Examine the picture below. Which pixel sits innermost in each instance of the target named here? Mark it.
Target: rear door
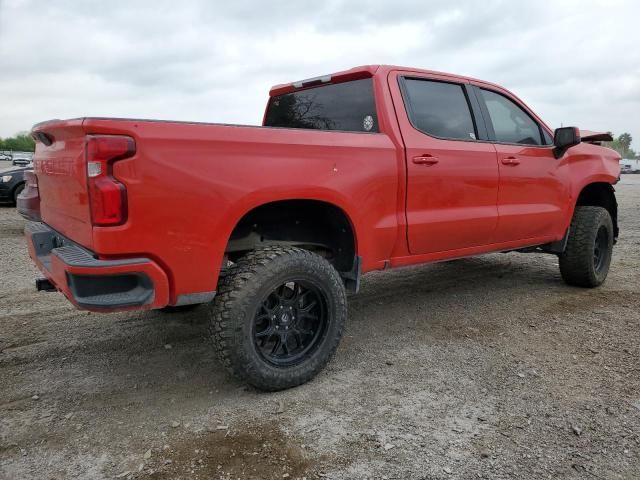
(452, 177)
(533, 191)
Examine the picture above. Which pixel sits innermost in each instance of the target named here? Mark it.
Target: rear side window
(439, 109)
(346, 106)
(511, 123)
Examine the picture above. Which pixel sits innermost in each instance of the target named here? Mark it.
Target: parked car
(367, 169)
(6, 157)
(22, 159)
(629, 166)
(12, 182)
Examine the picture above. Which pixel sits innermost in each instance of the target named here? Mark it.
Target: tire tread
(234, 295)
(576, 262)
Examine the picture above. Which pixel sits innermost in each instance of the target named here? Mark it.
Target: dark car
(12, 183)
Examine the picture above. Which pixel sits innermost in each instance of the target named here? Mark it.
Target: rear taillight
(107, 196)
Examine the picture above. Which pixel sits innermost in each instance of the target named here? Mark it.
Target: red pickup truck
(366, 169)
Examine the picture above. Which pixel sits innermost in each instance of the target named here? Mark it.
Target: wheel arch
(313, 224)
(600, 194)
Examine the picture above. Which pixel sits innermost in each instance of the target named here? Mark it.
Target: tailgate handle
(425, 159)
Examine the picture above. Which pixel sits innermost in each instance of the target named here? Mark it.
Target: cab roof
(364, 71)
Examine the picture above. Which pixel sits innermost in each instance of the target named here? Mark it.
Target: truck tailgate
(61, 172)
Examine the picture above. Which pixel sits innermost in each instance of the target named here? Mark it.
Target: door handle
(425, 159)
(510, 161)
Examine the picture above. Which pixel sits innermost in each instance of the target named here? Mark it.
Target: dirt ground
(478, 368)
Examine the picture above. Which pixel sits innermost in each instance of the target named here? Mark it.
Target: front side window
(438, 108)
(511, 124)
(346, 106)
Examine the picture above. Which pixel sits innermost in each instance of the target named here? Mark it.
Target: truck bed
(185, 174)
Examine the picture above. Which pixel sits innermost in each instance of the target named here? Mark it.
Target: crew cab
(367, 169)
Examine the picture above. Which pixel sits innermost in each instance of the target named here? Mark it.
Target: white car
(629, 166)
(22, 159)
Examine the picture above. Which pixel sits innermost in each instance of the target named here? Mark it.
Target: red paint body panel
(61, 170)
(189, 184)
(217, 173)
(451, 204)
(534, 193)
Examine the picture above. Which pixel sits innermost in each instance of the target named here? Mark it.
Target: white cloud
(573, 62)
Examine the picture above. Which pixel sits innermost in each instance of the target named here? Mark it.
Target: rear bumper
(94, 284)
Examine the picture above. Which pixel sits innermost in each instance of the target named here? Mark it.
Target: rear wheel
(587, 257)
(278, 317)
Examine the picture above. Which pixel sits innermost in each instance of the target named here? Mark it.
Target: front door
(452, 179)
(533, 191)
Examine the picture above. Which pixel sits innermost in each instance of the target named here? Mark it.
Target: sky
(573, 62)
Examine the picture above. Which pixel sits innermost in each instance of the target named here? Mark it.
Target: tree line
(622, 145)
(22, 142)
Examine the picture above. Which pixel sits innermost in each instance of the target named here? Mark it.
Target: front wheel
(278, 317)
(587, 257)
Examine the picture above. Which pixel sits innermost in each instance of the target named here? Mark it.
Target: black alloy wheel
(278, 316)
(290, 322)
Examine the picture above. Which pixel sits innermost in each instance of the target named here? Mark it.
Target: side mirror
(564, 138)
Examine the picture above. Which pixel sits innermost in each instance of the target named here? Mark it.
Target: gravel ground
(478, 368)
